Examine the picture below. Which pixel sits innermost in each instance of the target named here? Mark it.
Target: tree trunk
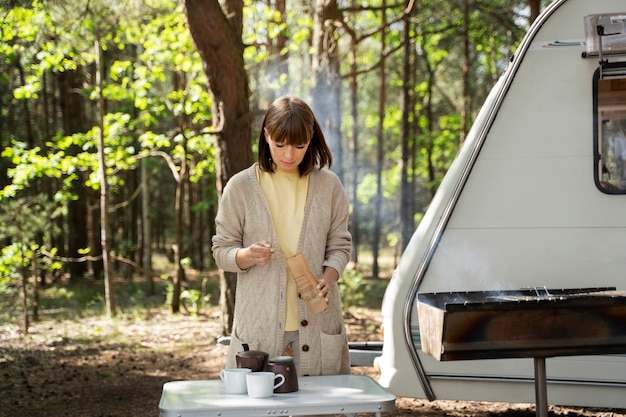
(24, 274)
(356, 206)
(30, 138)
(104, 190)
(326, 80)
(73, 118)
(216, 31)
(380, 154)
(146, 241)
(429, 114)
(406, 194)
(35, 275)
(179, 276)
(278, 64)
(535, 9)
(465, 112)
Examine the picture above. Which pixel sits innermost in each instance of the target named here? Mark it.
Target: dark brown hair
(291, 121)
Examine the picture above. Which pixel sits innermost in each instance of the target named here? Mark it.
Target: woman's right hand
(259, 253)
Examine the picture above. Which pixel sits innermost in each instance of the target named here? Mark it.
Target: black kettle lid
(247, 353)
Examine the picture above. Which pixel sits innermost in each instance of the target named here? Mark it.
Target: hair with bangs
(289, 120)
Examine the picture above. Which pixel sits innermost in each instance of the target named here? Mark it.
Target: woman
(288, 202)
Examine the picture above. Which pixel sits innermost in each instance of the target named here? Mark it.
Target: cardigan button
(305, 348)
(304, 323)
(299, 295)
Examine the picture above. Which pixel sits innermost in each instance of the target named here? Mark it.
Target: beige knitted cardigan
(244, 218)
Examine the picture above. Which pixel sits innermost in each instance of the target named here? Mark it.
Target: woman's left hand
(326, 281)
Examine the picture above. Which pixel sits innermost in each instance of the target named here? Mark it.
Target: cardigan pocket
(332, 351)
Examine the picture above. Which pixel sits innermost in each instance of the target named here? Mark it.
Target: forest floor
(98, 367)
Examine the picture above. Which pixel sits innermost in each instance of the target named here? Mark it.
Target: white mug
(235, 380)
(263, 384)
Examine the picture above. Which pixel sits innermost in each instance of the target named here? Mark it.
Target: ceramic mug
(235, 380)
(263, 384)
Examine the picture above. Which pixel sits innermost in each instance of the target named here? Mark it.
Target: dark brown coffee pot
(253, 359)
(284, 365)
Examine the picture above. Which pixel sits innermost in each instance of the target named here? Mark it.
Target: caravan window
(610, 133)
(606, 39)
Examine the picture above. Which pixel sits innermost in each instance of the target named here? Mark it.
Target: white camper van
(534, 200)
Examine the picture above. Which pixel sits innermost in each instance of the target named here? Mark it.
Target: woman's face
(286, 157)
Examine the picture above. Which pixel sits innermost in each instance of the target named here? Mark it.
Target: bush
(358, 291)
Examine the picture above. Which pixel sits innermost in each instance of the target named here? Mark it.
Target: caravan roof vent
(605, 34)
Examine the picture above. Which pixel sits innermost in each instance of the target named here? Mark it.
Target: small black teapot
(253, 359)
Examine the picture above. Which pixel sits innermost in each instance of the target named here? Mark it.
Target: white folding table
(333, 394)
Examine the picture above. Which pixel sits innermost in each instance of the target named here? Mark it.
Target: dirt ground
(97, 367)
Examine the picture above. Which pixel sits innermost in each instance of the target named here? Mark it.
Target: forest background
(121, 121)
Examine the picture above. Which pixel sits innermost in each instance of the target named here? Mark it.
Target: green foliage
(157, 99)
(140, 85)
(27, 225)
(195, 297)
(356, 291)
(10, 263)
(82, 300)
(192, 299)
(85, 299)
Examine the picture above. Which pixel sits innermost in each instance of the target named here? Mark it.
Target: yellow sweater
(286, 194)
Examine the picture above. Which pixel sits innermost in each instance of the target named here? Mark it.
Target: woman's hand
(326, 281)
(256, 254)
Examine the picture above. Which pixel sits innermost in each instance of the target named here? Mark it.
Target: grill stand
(541, 390)
(528, 323)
